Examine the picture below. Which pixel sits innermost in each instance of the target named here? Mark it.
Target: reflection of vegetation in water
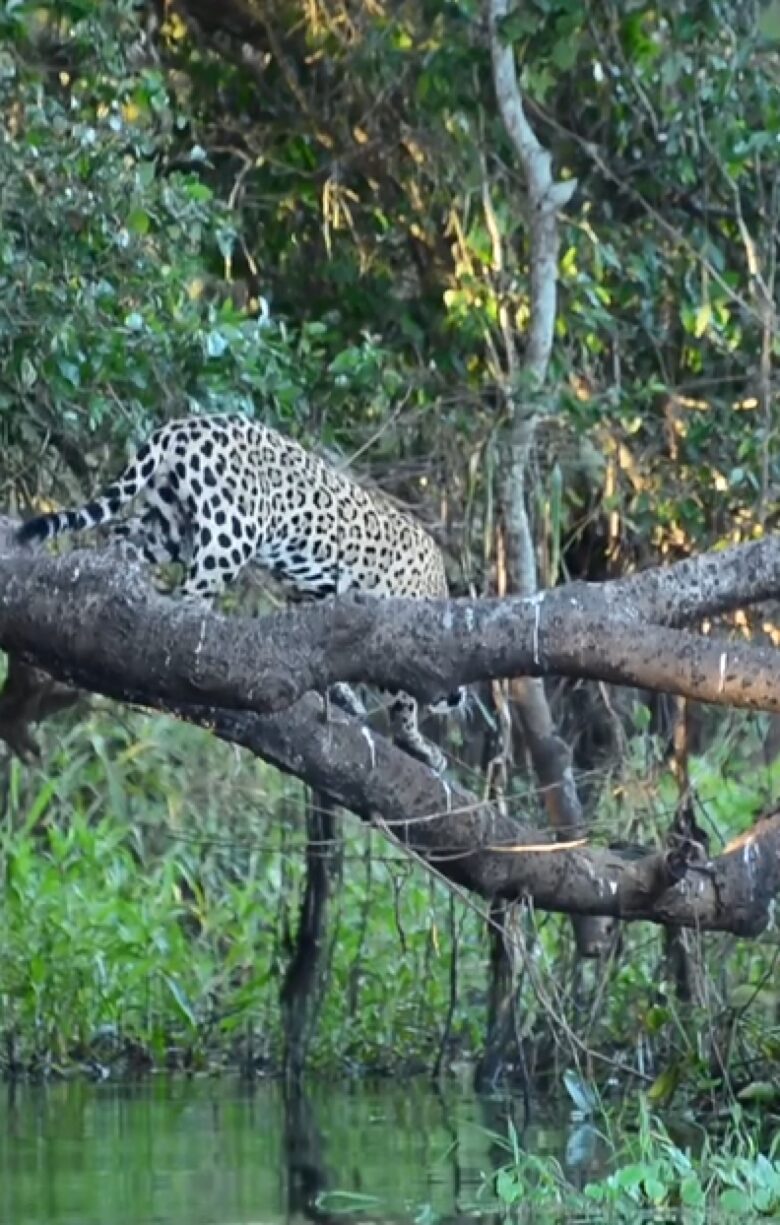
(184, 1151)
(620, 1165)
(190, 1151)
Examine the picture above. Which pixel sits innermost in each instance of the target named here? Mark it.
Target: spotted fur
(219, 492)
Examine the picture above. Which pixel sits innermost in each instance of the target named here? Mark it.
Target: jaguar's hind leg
(146, 537)
(219, 553)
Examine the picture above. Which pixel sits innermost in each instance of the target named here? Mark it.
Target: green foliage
(656, 1175)
(151, 877)
(145, 905)
(135, 234)
(117, 291)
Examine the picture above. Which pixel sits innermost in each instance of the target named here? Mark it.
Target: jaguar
(216, 493)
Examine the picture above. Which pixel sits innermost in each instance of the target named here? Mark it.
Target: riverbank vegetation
(170, 900)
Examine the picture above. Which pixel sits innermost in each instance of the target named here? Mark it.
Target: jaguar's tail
(107, 505)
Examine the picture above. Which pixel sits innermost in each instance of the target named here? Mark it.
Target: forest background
(167, 169)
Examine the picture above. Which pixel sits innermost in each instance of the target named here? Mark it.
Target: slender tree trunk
(303, 984)
(521, 381)
(503, 1056)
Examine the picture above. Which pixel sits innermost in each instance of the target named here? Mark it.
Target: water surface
(221, 1152)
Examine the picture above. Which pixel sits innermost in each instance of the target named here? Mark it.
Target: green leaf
(630, 1177)
(762, 1091)
(509, 1187)
(517, 25)
(664, 1085)
(702, 319)
(28, 373)
(198, 191)
(581, 1093)
(657, 1016)
(691, 1192)
(138, 221)
(734, 1200)
(564, 53)
(655, 1190)
(180, 999)
(69, 371)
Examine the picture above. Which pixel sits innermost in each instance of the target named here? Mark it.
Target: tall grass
(150, 886)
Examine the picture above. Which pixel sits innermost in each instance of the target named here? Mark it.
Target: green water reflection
(198, 1152)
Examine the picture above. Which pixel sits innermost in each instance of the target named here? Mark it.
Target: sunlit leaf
(703, 319)
(138, 221)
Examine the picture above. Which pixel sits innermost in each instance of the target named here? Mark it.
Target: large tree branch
(472, 845)
(469, 843)
(88, 613)
(708, 585)
(90, 616)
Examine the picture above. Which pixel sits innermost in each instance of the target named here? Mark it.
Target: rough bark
(469, 843)
(90, 617)
(94, 620)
